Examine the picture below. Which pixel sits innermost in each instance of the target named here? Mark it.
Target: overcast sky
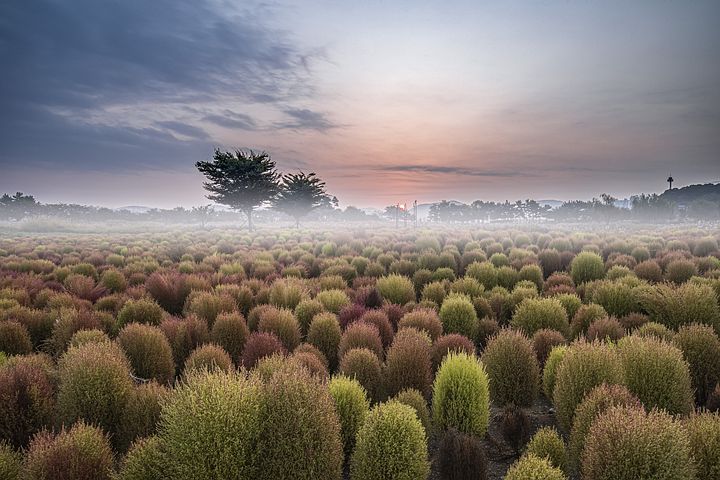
(111, 102)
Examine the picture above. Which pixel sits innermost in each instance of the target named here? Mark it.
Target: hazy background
(111, 102)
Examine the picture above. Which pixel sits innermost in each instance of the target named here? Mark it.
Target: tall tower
(670, 180)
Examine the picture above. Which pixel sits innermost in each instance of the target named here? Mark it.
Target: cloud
(305, 119)
(91, 72)
(443, 169)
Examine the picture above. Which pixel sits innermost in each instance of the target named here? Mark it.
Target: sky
(111, 102)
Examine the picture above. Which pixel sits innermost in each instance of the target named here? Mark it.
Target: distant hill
(134, 209)
(709, 192)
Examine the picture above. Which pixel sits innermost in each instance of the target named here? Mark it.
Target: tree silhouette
(243, 180)
(300, 194)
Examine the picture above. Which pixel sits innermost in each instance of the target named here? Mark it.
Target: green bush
(231, 332)
(547, 443)
(583, 367)
(82, 452)
(149, 352)
(208, 357)
(140, 311)
(283, 324)
(325, 334)
(570, 302)
(305, 311)
(409, 363)
(10, 462)
(550, 369)
(81, 337)
(396, 289)
(701, 349)
(413, 398)
(680, 271)
(364, 366)
(597, 401)
(512, 369)
(435, 292)
(352, 407)
(586, 267)
(483, 272)
(141, 414)
(458, 315)
(625, 443)
(390, 444)
(461, 397)
(226, 414)
(535, 314)
(14, 338)
(703, 430)
(301, 435)
(616, 298)
(530, 467)
(682, 305)
(584, 317)
(333, 300)
(654, 330)
(287, 292)
(656, 372)
(94, 386)
(144, 461)
(27, 397)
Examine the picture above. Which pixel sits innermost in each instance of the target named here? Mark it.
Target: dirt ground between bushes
(500, 454)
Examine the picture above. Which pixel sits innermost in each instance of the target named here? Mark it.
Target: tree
(243, 180)
(18, 206)
(300, 194)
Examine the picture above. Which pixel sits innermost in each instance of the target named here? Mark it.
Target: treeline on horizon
(249, 184)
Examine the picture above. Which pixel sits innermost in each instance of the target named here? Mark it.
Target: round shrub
(550, 369)
(680, 271)
(396, 289)
(461, 397)
(654, 330)
(230, 332)
(434, 292)
(260, 345)
(688, 303)
(169, 289)
(458, 315)
(461, 457)
(333, 300)
(616, 298)
(313, 350)
(705, 246)
(81, 337)
(649, 270)
(597, 401)
(584, 317)
(607, 328)
(701, 349)
(226, 413)
(535, 314)
(185, 336)
(570, 302)
(626, 443)
(413, 398)
(586, 267)
(487, 328)
(207, 305)
(352, 407)
(390, 444)
(94, 386)
(546, 443)
(512, 369)
(380, 319)
(141, 414)
(82, 452)
(361, 335)
(144, 461)
(298, 411)
(283, 324)
(364, 366)
(149, 352)
(325, 334)
(10, 462)
(287, 292)
(312, 363)
(305, 311)
(350, 313)
(634, 320)
(27, 397)
(656, 372)
(208, 357)
(533, 467)
(515, 427)
(140, 311)
(14, 338)
(703, 430)
(409, 363)
(424, 319)
(446, 344)
(544, 341)
(583, 367)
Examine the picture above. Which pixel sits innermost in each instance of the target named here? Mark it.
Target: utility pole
(670, 180)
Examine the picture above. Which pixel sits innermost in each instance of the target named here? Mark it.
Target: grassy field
(514, 352)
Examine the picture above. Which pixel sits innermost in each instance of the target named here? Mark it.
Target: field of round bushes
(525, 353)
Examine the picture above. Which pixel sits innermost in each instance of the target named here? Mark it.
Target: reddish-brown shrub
(184, 336)
(605, 328)
(453, 342)
(409, 363)
(260, 345)
(364, 366)
(424, 319)
(543, 341)
(169, 289)
(381, 321)
(308, 348)
(633, 320)
(14, 338)
(461, 457)
(515, 427)
(361, 335)
(350, 313)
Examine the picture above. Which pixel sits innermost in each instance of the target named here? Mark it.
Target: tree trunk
(249, 216)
